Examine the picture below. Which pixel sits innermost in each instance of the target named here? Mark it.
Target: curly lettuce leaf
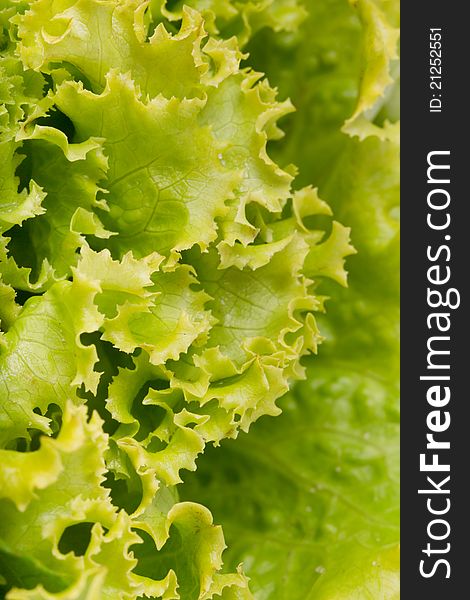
(75, 33)
(62, 537)
(379, 57)
(43, 359)
(340, 68)
(69, 190)
(166, 183)
(236, 17)
(16, 207)
(20, 89)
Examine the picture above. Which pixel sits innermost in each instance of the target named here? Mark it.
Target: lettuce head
(164, 274)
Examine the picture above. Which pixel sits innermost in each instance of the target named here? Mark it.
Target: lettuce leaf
(236, 17)
(63, 537)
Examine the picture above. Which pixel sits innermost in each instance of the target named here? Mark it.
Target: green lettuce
(311, 499)
(163, 279)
